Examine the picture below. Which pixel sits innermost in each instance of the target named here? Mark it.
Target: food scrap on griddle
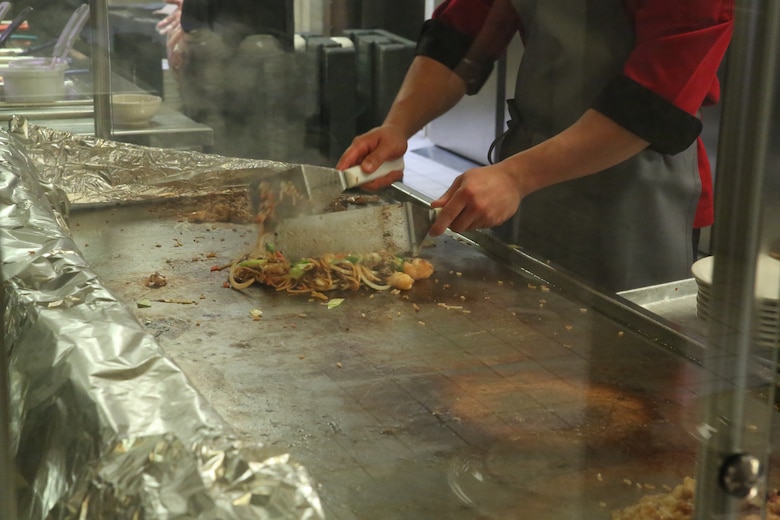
(156, 280)
(233, 208)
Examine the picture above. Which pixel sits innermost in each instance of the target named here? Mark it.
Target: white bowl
(33, 81)
(134, 109)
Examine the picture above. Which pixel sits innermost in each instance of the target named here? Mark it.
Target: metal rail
(101, 67)
(7, 473)
(732, 455)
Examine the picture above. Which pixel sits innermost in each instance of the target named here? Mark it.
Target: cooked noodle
(267, 266)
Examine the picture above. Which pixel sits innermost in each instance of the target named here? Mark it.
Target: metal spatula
(398, 228)
(69, 34)
(317, 186)
(4, 7)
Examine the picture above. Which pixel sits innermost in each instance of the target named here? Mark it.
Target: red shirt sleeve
(465, 16)
(468, 36)
(669, 75)
(679, 44)
(679, 47)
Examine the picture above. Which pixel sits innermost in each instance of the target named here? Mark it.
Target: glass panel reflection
(569, 362)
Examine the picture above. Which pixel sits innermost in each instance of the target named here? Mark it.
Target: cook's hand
(171, 21)
(371, 149)
(170, 26)
(479, 198)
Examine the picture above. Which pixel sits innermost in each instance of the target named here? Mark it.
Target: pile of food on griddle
(265, 265)
(380, 271)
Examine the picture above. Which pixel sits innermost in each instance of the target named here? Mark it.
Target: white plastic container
(33, 81)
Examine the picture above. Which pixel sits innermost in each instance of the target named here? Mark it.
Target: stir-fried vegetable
(380, 271)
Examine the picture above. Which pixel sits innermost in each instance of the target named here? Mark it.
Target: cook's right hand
(479, 198)
(373, 148)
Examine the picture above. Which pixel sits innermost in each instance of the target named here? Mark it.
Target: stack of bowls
(767, 293)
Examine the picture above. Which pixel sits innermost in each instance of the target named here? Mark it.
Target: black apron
(626, 227)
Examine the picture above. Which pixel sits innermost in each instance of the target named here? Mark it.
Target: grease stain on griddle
(169, 328)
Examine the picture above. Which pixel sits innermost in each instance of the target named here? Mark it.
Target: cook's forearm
(429, 90)
(590, 145)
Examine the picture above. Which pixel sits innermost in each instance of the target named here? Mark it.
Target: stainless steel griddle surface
(477, 394)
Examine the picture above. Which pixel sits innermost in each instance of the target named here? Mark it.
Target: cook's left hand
(479, 198)
(171, 28)
(173, 20)
(371, 149)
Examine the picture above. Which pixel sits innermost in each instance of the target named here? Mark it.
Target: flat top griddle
(478, 392)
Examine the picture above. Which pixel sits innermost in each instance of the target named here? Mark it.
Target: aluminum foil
(96, 171)
(104, 425)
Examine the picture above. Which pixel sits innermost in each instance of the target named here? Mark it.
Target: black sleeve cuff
(449, 47)
(667, 128)
(442, 43)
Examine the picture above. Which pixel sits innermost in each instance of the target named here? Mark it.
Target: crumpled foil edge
(103, 424)
(94, 171)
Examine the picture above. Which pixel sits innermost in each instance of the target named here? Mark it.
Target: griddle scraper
(398, 228)
(318, 186)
